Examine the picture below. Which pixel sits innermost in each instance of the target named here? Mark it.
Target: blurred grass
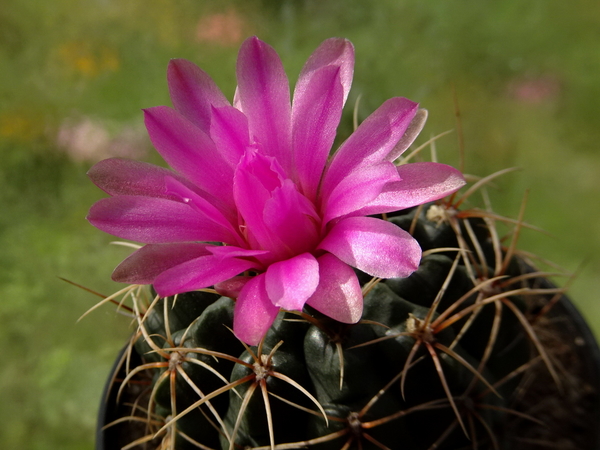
(525, 75)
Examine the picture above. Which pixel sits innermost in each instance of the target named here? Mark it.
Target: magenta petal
(290, 283)
(144, 265)
(420, 183)
(264, 95)
(229, 131)
(293, 219)
(332, 52)
(374, 246)
(117, 176)
(199, 273)
(154, 220)
(231, 288)
(411, 133)
(316, 113)
(358, 189)
(189, 151)
(254, 313)
(338, 295)
(255, 177)
(231, 251)
(180, 192)
(372, 141)
(193, 92)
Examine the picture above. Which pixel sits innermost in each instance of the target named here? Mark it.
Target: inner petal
(290, 283)
(293, 218)
(274, 214)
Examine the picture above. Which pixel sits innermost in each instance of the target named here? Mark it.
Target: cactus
(422, 340)
(436, 358)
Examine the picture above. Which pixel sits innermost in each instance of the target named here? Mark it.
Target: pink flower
(253, 191)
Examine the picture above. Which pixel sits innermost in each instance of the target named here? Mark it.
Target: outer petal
(358, 189)
(264, 96)
(316, 114)
(180, 192)
(420, 183)
(254, 313)
(199, 273)
(411, 133)
(374, 246)
(290, 283)
(372, 141)
(144, 265)
(154, 220)
(193, 92)
(338, 295)
(229, 131)
(332, 52)
(231, 288)
(190, 152)
(231, 251)
(117, 176)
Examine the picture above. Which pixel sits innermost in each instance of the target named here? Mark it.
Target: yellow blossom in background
(21, 126)
(84, 59)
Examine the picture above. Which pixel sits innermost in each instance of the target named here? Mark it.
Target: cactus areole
(288, 296)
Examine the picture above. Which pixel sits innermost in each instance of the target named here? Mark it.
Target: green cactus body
(434, 362)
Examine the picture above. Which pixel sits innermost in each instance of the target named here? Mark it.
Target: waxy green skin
(309, 354)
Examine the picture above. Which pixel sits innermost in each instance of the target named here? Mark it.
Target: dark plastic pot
(574, 412)
(114, 437)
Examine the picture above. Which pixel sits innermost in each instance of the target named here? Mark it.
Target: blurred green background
(74, 75)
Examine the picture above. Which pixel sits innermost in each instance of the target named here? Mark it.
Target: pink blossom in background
(226, 29)
(89, 140)
(254, 205)
(535, 90)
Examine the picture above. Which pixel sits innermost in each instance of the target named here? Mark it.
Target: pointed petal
(229, 131)
(358, 189)
(316, 113)
(411, 133)
(144, 265)
(372, 141)
(117, 176)
(231, 251)
(264, 96)
(154, 220)
(420, 183)
(193, 92)
(189, 151)
(332, 52)
(255, 177)
(291, 282)
(254, 313)
(231, 288)
(180, 192)
(199, 273)
(374, 246)
(293, 219)
(338, 295)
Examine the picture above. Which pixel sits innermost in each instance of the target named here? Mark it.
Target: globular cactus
(435, 361)
(418, 334)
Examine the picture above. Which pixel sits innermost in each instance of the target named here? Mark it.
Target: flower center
(274, 215)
